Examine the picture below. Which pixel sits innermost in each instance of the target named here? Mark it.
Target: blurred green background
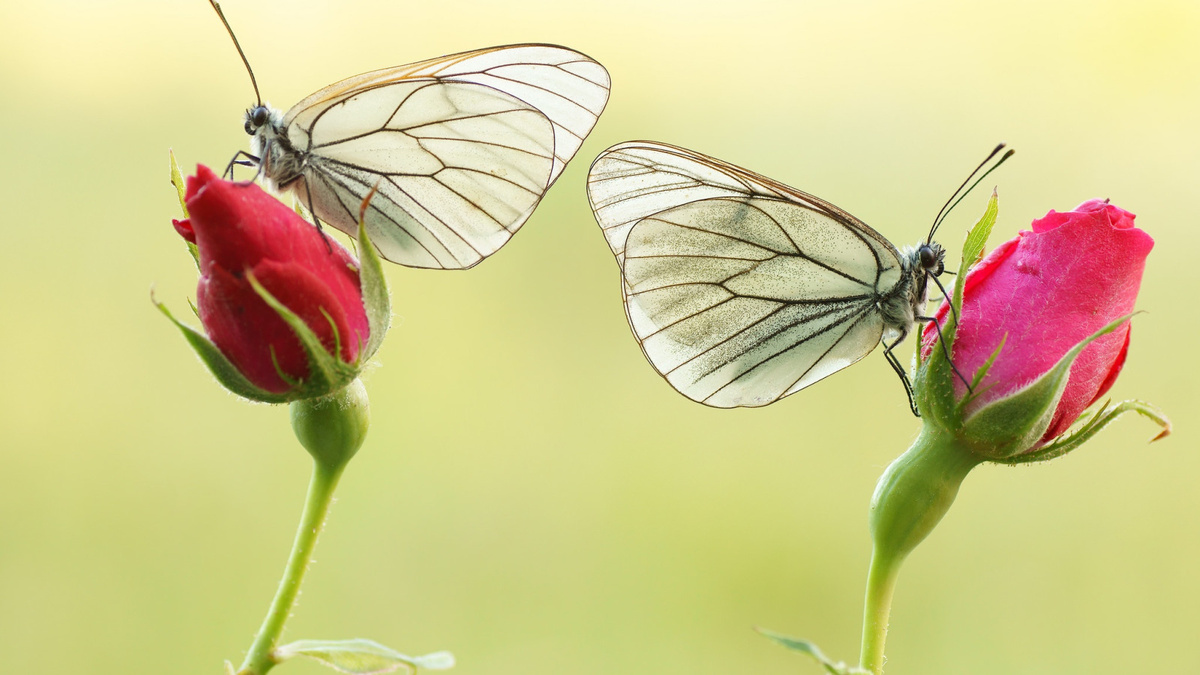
(532, 496)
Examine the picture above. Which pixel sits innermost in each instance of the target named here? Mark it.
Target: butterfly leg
(938, 301)
(895, 364)
(953, 311)
(938, 327)
(242, 158)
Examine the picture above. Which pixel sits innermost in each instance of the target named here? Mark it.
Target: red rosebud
(1048, 290)
(241, 230)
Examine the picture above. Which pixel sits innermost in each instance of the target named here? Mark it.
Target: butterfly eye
(930, 260)
(256, 117)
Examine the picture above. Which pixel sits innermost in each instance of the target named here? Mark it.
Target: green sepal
(361, 657)
(933, 383)
(327, 373)
(374, 293)
(805, 647)
(976, 241)
(1011, 425)
(181, 190)
(226, 373)
(1089, 427)
(977, 379)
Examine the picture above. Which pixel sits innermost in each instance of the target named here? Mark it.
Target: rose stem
(320, 495)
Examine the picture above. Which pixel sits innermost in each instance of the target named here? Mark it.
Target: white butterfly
(462, 147)
(742, 290)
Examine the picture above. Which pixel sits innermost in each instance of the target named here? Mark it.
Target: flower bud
(282, 304)
(1039, 329)
(1035, 298)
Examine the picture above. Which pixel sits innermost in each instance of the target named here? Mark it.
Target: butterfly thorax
(900, 308)
(281, 164)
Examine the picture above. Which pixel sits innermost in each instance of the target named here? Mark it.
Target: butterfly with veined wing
(461, 147)
(742, 290)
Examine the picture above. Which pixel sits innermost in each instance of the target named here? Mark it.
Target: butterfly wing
(463, 147)
(739, 289)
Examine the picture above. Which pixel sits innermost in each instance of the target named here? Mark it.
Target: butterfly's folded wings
(739, 289)
(463, 147)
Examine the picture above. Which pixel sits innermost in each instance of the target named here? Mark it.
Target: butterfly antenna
(242, 54)
(960, 193)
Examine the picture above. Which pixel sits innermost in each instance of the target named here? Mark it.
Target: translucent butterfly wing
(739, 289)
(466, 146)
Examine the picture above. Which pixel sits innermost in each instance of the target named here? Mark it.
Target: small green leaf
(1011, 425)
(972, 252)
(806, 647)
(374, 292)
(362, 657)
(976, 241)
(177, 181)
(226, 373)
(181, 190)
(1092, 426)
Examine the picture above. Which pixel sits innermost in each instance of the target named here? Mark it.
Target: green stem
(913, 494)
(881, 583)
(320, 495)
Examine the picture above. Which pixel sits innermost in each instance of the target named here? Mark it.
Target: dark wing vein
(857, 317)
(491, 165)
(804, 258)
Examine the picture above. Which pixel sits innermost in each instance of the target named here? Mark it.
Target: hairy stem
(316, 506)
(881, 583)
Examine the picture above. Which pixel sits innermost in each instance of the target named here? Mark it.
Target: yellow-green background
(532, 496)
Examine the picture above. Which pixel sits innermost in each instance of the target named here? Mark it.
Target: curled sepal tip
(362, 657)
(805, 647)
(1091, 425)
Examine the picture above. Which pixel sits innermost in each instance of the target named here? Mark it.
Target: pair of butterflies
(739, 289)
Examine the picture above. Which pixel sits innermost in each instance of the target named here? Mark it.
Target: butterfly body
(901, 308)
(281, 164)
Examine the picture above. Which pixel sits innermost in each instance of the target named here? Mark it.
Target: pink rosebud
(241, 230)
(1047, 290)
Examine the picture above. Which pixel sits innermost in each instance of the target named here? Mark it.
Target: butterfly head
(932, 258)
(264, 124)
(258, 117)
